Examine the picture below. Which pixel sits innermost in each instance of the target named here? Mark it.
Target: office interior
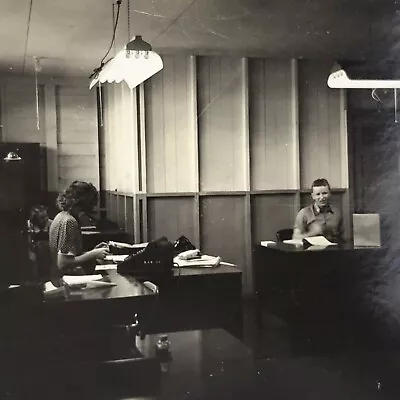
(222, 144)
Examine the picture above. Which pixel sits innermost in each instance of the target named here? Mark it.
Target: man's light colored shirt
(328, 220)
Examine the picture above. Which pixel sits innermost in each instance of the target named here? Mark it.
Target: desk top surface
(205, 364)
(221, 269)
(289, 248)
(126, 286)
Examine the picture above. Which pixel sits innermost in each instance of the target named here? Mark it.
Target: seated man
(320, 218)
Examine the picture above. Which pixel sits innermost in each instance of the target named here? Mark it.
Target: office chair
(284, 234)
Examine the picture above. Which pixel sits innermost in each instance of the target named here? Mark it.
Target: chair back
(284, 234)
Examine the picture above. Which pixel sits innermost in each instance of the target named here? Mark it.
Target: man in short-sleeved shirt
(320, 218)
(64, 238)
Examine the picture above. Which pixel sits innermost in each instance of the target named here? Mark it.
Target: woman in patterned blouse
(65, 236)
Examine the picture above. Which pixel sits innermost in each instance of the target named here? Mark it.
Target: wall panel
(77, 135)
(171, 217)
(270, 213)
(170, 137)
(321, 152)
(273, 138)
(222, 229)
(221, 120)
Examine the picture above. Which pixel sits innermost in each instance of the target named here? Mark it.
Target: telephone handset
(155, 260)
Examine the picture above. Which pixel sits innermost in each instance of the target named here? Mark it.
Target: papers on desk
(116, 257)
(202, 262)
(50, 289)
(86, 281)
(122, 245)
(106, 267)
(267, 243)
(78, 280)
(320, 241)
(294, 242)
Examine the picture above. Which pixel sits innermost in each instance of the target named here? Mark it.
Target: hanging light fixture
(12, 156)
(340, 80)
(134, 64)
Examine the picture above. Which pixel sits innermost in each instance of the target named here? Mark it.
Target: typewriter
(154, 261)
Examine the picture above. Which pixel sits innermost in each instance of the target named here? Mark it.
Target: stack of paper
(203, 261)
(127, 245)
(320, 241)
(267, 243)
(87, 281)
(116, 257)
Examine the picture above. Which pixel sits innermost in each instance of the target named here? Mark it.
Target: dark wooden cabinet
(21, 187)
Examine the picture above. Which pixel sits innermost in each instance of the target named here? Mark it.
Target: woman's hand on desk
(100, 253)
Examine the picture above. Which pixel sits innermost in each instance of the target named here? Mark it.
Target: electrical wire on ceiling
(115, 25)
(27, 35)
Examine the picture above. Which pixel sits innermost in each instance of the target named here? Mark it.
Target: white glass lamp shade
(12, 156)
(134, 69)
(340, 80)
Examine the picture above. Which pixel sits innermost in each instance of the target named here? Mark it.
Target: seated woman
(38, 239)
(65, 232)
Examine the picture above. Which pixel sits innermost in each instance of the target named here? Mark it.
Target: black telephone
(155, 260)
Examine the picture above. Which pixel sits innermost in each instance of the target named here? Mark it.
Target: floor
(292, 366)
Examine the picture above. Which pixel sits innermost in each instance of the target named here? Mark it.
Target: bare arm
(65, 261)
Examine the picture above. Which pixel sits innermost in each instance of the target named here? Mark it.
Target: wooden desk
(325, 289)
(25, 311)
(208, 364)
(200, 298)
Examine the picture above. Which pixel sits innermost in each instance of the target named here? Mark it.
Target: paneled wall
(61, 115)
(222, 151)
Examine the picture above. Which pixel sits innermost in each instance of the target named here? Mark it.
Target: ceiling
(71, 37)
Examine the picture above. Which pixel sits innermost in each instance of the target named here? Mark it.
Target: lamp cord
(114, 30)
(115, 24)
(129, 19)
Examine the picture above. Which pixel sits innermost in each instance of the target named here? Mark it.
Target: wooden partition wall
(222, 150)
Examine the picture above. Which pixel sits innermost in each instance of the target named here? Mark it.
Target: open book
(320, 241)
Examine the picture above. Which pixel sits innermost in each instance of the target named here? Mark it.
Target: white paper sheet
(127, 245)
(106, 267)
(115, 258)
(204, 261)
(72, 280)
(319, 241)
(267, 243)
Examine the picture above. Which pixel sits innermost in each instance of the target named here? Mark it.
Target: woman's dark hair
(79, 196)
(35, 212)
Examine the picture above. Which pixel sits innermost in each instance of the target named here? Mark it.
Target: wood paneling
(321, 152)
(272, 139)
(221, 119)
(77, 135)
(129, 217)
(171, 217)
(270, 213)
(170, 136)
(121, 211)
(222, 230)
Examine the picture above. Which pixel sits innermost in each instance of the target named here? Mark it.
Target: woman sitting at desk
(38, 239)
(320, 218)
(65, 231)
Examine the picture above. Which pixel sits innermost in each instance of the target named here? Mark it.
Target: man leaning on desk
(319, 218)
